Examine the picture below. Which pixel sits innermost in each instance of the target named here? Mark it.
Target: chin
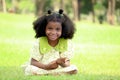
(53, 39)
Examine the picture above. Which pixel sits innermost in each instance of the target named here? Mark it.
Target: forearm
(67, 64)
(64, 62)
(50, 66)
(37, 64)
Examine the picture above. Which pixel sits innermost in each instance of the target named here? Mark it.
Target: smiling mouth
(52, 37)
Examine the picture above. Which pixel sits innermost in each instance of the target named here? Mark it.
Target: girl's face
(53, 30)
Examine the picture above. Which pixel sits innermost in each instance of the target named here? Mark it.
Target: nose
(53, 31)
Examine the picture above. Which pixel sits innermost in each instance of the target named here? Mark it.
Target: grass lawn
(97, 49)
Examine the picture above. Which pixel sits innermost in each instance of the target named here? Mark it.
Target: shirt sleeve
(35, 53)
(70, 51)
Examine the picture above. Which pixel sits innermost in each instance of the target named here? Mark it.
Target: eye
(58, 29)
(50, 28)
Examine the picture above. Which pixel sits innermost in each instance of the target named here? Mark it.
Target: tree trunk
(15, 6)
(39, 4)
(3, 6)
(79, 9)
(111, 10)
(62, 4)
(75, 9)
(93, 12)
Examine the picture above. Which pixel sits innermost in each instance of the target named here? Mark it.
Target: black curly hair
(68, 28)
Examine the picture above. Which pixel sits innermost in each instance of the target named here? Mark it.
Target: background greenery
(97, 49)
(90, 8)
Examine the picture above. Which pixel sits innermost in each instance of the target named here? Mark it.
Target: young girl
(52, 51)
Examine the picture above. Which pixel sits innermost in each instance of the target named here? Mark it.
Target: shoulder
(35, 44)
(70, 42)
(36, 41)
(40, 40)
(67, 42)
(64, 44)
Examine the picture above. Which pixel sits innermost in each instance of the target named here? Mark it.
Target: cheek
(60, 33)
(47, 31)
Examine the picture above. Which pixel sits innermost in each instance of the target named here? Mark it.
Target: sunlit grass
(97, 50)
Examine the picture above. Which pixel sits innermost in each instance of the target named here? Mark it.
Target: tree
(75, 9)
(15, 4)
(111, 11)
(3, 6)
(79, 9)
(39, 4)
(88, 8)
(62, 4)
(92, 9)
(118, 10)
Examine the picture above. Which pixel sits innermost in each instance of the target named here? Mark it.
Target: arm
(67, 55)
(64, 62)
(36, 56)
(50, 66)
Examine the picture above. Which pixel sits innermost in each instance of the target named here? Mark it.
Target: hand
(63, 62)
(51, 65)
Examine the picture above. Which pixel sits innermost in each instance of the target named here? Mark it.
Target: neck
(53, 43)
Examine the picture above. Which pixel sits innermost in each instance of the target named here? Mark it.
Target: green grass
(97, 51)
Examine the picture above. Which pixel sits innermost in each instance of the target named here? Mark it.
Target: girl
(52, 51)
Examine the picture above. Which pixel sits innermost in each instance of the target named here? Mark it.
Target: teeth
(52, 36)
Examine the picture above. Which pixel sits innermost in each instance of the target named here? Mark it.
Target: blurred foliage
(100, 7)
(117, 4)
(29, 5)
(48, 5)
(86, 6)
(24, 6)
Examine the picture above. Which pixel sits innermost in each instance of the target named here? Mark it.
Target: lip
(52, 37)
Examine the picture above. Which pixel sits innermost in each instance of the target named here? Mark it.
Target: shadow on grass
(16, 73)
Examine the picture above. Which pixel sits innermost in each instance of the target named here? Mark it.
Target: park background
(96, 40)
